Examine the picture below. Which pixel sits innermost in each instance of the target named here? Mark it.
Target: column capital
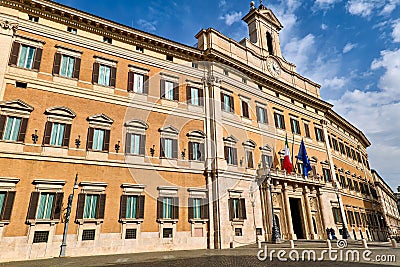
(7, 27)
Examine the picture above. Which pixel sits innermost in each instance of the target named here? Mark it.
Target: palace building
(174, 147)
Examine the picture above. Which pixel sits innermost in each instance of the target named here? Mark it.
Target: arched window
(269, 44)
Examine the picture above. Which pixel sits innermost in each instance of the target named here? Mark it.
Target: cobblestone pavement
(242, 256)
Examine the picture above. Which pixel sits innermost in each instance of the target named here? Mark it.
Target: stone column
(322, 212)
(289, 222)
(308, 212)
(268, 210)
(7, 30)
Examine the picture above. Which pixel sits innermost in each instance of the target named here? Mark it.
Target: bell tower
(264, 29)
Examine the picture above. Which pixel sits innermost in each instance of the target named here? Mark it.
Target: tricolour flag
(287, 163)
(304, 158)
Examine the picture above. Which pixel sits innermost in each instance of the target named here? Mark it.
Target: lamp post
(345, 232)
(262, 172)
(67, 217)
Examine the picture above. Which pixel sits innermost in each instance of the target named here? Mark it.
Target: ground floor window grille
(130, 234)
(41, 237)
(238, 232)
(88, 234)
(167, 232)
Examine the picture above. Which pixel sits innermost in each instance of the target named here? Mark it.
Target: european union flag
(304, 158)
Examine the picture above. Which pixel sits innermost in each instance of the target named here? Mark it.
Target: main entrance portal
(297, 220)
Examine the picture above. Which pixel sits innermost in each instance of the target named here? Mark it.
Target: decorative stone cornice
(7, 25)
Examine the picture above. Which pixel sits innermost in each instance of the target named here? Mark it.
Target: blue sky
(350, 47)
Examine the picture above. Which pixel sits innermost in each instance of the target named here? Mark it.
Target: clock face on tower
(273, 67)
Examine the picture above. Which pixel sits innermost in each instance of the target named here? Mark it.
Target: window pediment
(230, 139)
(313, 159)
(137, 124)
(196, 134)
(249, 144)
(169, 130)
(17, 106)
(100, 120)
(60, 111)
(266, 149)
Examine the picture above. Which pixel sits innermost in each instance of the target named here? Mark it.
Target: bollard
(259, 243)
(394, 243)
(291, 243)
(364, 243)
(328, 244)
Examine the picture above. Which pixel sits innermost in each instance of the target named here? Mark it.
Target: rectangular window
(45, 206)
(262, 115)
(196, 151)
(107, 40)
(2, 200)
(138, 83)
(135, 144)
(104, 75)
(67, 66)
(194, 96)
(57, 134)
(227, 102)
(130, 234)
(167, 232)
(341, 148)
(88, 234)
(336, 215)
(307, 130)
(335, 144)
(169, 90)
(238, 232)
(350, 217)
(295, 126)
(249, 159)
(168, 148)
(197, 208)
(348, 153)
(98, 139)
(90, 210)
(327, 174)
(72, 30)
(245, 109)
(26, 57)
(266, 160)
(12, 129)
(231, 155)
(139, 49)
(237, 209)
(279, 120)
(319, 135)
(167, 208)
(33, 18)
(40, 236)
(131, 205)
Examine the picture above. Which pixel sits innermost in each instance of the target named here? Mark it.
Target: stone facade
(173, 147)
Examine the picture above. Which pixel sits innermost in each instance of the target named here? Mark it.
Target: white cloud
(377, 112)
(298, 50)
(231, 18)
(147, 25)
(222, 4)
(324, 26)
(324, 4)
(360, 7)
(396, 32)
(348, 47)
(335, 83)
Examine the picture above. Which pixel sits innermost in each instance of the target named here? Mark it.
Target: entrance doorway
(296, 211)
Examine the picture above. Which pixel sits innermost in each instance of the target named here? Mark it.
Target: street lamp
(345, 232)
(67, 217)
(262, 172)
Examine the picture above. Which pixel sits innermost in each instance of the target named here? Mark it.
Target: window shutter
(190, 147)
(113, 76)
(235, 160)
(231, 104)
(89, 143)
(245, 109)
(2, 124)
(162, 152)
(47, 133)
(174, 148)
(38, 57)
(222, 101)
(131, 78)
(191, 208)
(142, 148)
(175, 214)
(101, 206)
(162, 88)
(95, 74)
(314, 170)
(188, 94)
(56, 64)
(122, 207)
(242, 209)
(57, 206)
(106, 144)
(14, 54)
(204, 208)
(226, 152)
(176, 91)
(80, 206)
(67, 133)
(283, 122)
(22, 130)
(202, 152)
(258, 110)
(231, 211)
(33, 203)
(140, 208)
(316, 133)
(145, 84)
(77, 68)
(265, 115)
(8, 205)
(276, 119)
(160, 208)
(250, 163)
(128, 143)
(291, 125)
(201, 95)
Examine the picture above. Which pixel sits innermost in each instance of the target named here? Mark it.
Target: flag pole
(292, 147)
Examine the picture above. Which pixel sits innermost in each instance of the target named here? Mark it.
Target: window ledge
(162, 221)
(39, 221)
(202, 221)
(82, 221)
(138, 221)
(237, 222)
(22, 68)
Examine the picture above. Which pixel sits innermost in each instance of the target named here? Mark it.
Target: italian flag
(287, 163)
